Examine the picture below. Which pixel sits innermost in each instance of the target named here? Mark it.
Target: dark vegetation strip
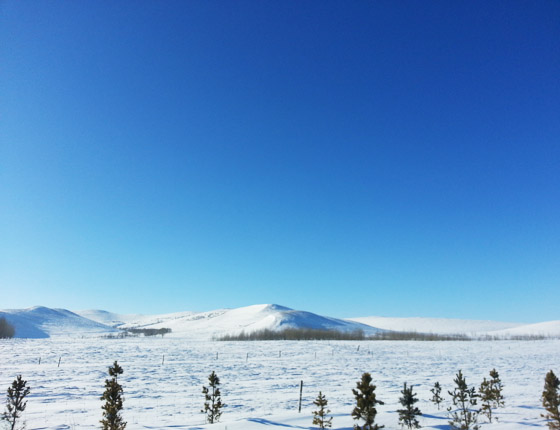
(7, 330)
(149, 331)
(314, 334)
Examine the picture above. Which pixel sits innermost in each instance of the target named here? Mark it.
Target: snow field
(262, 391)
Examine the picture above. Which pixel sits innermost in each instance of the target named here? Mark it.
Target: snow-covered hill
(206, 325)
(436, 325)
(112, 319)
(548, 329)
(41, 322)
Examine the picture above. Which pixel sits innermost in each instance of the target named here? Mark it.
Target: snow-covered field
(260, 380)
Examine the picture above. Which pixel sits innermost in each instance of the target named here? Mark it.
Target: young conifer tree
(491, 394)
(408, 415)
(551, 400)
(463, 417)
(320, 416)
(366, 403)
(113, 396)
(436, 391)
(15, 403)
(213, 404)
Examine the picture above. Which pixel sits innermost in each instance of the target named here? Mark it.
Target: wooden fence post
(300, 393)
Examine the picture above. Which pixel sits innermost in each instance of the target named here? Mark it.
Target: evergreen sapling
(15, 403)
(113, 396)
(408, 415)
(463, 398)
(551, 401)
(366, 403)
(491, 394)
(320, 416)
(436, 391)
(213, 404)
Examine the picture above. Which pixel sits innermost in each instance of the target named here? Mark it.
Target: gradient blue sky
(348, 158)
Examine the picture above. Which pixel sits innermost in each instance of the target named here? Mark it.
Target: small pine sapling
(320, 416)
(551, 401)
(213, 404)
(491, 394)
(366, 403)
(436, 391)
(463, 398)
(15, 403)
(113, 396)
(408, 416)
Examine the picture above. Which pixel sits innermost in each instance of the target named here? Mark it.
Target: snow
(216, 323)
(260, 380)
(548, 328)
(436, 325)
(41, 322)
(164, 376)
(110, 318)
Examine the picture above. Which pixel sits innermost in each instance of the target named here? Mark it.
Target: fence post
(300, 393)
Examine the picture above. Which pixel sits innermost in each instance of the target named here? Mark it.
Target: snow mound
(207, 325)
(436, 325)
(547, 329)
(119, 320)
(40, 322)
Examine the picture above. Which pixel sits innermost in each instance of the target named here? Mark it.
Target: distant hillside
(436, 325)
(206, 325)
(548, 329)
(41, 322)
(109, 318)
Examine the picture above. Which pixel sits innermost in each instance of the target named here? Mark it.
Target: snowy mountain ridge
(216, 323)
(42, 322)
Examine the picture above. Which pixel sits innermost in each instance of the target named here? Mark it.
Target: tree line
(7, 330)
(463, 412)
(319, 334)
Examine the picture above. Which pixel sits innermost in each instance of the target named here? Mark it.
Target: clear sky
(349, 158)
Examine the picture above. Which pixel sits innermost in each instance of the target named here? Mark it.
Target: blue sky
(347, 158)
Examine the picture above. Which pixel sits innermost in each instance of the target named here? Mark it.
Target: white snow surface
(41, 322)
(110, 318)
(208, 325)
(163, 379)
(436, 325)
(548, 328)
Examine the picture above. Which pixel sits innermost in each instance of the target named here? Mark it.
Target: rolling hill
(205, 325)
(40, 322)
